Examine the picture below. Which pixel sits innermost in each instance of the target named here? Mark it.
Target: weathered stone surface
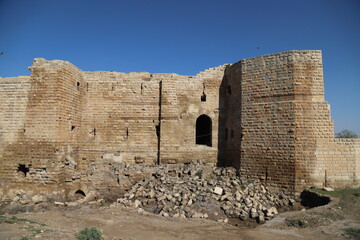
(85, 131)
(188, 195)
(38, 199)
(218, 190)
(328, 189)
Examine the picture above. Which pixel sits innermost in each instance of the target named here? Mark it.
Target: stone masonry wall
(337, 163)
(14, 96)
(282, 124)
(35, 160)
(63, 129)
(267, 119)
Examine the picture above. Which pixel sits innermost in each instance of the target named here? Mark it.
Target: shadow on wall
(229, 135)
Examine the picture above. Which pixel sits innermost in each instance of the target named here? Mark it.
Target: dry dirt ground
(321, 223)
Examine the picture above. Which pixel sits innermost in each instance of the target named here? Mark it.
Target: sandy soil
(124, 224)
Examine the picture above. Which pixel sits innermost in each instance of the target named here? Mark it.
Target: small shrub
(199, 173)
(353, 232)
(89, 233)
(346, 134)
(297, 223)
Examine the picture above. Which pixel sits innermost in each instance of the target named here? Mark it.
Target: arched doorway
(204, 130)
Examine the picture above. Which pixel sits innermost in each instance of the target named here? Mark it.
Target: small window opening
(80, 194)
(226, 134)
(22, 168)
(267, 78)
(93, 131)
(72, 128)
(203, 97)
(229, 90)
(127, 133)
(266, 175)
(87, 87)
(78, 85)
(157, 130)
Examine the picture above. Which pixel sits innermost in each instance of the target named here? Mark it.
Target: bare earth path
(121, 223)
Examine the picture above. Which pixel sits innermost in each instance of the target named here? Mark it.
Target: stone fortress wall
(63, 129)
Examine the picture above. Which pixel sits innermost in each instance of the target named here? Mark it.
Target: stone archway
(204, 130)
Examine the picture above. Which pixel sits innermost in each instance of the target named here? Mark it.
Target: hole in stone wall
(203, 97)
(229, 90)
(141, 87)
(112, 87)
(157, 130)
(312, 199)
(80, 194)
(127, 133)
(267, 78)
(266, 175)
(87, 87)
(78, 85)
(72, 128)
(22, 168)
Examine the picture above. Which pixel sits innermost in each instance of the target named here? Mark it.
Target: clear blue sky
(186, 37)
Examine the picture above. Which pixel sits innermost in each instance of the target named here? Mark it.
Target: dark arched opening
(80, 194)
(204, 130)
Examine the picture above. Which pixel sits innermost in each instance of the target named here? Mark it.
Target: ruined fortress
(64, 130)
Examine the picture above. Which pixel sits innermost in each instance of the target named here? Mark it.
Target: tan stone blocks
(266, 116)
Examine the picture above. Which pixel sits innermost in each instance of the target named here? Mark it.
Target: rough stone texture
(279, 127)
(199, 191)
(64, 130)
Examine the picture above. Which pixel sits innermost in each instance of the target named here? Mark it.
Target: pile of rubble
(199, 191)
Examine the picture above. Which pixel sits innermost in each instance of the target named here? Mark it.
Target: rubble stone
(217, 194)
